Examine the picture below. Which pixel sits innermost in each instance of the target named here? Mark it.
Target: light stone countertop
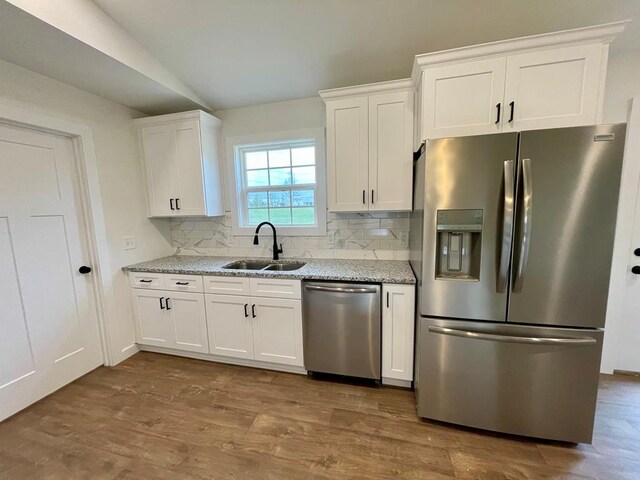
(373, 271)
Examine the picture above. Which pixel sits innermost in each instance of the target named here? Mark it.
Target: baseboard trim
(393, 382)
(229, 360)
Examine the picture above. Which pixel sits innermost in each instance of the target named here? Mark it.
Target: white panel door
(49, 333)
(189, 176)
(159, 149)
(151, 322)
(398, 314)
(277, 331)
(229, 325)
(553, 88)
(390, 151)
(347, 155)
(459, 100)
(187, 321)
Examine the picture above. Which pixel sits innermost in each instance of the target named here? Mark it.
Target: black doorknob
(636, 252)
(84, 269)
(635, 269)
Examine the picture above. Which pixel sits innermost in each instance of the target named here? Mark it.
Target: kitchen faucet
(276, 250)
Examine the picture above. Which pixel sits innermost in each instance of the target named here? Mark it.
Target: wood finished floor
(162, 417)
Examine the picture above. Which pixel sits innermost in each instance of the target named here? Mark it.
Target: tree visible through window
(278, 183)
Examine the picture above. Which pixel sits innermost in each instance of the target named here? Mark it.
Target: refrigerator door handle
(507, 226)
(512, 339)
(525, 237)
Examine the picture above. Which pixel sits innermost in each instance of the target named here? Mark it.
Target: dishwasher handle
(341, 289)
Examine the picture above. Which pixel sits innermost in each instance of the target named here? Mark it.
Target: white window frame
(235, 169)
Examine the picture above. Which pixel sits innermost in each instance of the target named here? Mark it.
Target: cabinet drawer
(227, 285)
(274, 287)
(183, 283)
(153, 281)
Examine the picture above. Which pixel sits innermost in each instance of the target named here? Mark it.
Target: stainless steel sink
(285, 266)
(263, 265)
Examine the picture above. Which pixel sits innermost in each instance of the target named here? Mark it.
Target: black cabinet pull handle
(513, 110)
(387, 299)
(171, 203)
(363, 200)
(166, 302)
(636, 252)
(253, 311)
(372, 197)
(177, 204)
(498, 106)
(246, 313)
(145, 281)
(635, 269)
(182, 283)
(161, 305)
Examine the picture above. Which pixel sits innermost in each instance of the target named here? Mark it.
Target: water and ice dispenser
(458, 244)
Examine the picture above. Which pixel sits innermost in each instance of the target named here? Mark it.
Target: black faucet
(276, 250)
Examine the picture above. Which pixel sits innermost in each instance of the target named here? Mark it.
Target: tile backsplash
(383, 236)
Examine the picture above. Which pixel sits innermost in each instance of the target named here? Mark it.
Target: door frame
(91, 212)
(614, 339)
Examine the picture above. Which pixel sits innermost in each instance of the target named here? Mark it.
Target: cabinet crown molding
(173, 117)
(366, 89)
(604, 33)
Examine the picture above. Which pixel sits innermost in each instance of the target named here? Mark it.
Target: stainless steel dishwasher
(341, 328)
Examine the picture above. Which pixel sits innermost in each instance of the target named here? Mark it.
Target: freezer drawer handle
(513, 339)
(507, 226)
(340, 289)
(525, 241)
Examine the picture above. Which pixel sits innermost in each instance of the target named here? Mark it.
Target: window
(280, 180)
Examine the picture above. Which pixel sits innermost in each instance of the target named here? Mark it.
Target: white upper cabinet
(370, 147)
(182, 164)
(553, 88)
(543, 81)
(464, 98)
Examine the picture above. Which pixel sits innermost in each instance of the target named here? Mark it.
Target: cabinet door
(277, 331)
(398, 314)
(229, 325)
(151, 322)
(390, 151)
(347, 155)
(189, 173)
(553, 88)
(187, 321)
(462, 99)
(159, 150)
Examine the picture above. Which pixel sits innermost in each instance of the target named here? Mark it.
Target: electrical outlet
(331, 237)
(129, 242)
(404, 238)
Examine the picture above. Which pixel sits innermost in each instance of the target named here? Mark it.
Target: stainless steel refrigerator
(511, 241)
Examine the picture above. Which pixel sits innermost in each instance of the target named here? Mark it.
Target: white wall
(623, 83)
(120, 176)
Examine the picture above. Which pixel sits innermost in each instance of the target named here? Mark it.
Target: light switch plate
(129, 242)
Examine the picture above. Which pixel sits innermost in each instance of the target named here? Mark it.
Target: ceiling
(234, 53)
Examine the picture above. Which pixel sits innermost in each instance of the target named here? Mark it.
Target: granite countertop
(375, 271)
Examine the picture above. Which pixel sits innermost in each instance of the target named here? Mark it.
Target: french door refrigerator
(512, 239)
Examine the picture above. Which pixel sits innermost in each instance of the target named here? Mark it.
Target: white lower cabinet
(277, 331)
(398, 319)
(229, 324)
(170, 319)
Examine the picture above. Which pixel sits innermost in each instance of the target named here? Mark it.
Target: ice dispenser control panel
(459, 242)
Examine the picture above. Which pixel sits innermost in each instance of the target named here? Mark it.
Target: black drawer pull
(145, 281)
(182, 283)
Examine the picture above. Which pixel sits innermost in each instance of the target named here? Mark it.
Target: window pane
(304, 175)
(279, 158)
(303, 198)
(303, 156)
(255, 160)
(257, 200)
(304, 216)
(280, 199)
(258, 215)
(280, 176)
(257, 178)
(280, 216)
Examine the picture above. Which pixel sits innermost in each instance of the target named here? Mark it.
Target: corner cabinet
(398, 331)
(370, 147)
(551, 80)
(181, 159)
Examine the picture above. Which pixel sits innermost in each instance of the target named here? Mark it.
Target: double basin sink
(263, 265)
